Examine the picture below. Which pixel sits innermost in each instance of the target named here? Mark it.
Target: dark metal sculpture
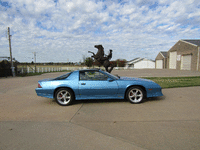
(103, 60)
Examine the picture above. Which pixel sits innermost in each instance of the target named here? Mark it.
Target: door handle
(82, 83)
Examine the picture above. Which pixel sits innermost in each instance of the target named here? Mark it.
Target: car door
(94, 84)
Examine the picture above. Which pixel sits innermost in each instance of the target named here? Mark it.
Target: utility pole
(35, 60)
(12, 68)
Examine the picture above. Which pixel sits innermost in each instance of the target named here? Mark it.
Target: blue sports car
(96, 84)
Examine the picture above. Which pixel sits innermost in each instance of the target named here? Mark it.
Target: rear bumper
(44, 93)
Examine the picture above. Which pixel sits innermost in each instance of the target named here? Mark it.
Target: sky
(65, 30)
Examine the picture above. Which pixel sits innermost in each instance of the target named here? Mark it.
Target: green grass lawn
(173, 82)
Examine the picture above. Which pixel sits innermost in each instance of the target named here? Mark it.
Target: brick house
(161, 60)
(184, 55)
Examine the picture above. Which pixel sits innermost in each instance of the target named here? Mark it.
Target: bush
(88, 62)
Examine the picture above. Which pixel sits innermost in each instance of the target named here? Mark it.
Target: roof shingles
(195, 42)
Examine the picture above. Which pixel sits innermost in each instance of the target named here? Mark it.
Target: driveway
(31, 122)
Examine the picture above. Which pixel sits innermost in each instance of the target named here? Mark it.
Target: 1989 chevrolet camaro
(96, 84)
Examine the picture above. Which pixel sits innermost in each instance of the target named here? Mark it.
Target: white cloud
(68, 29)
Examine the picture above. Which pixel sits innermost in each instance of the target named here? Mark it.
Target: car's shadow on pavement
(155, 99)
(96, 101)
(100, 101)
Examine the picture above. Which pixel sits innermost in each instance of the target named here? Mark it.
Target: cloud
(61, 30)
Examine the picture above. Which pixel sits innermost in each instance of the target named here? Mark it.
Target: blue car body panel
(112, 88)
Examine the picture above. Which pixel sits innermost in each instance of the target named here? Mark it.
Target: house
(161, 60)
(184, 55)
(141, 63)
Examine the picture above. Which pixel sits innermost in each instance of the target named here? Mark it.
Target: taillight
(39, 86)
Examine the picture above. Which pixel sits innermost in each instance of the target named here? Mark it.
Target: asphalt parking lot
(31, 122)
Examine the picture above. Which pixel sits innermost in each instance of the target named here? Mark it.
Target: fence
(28, 69)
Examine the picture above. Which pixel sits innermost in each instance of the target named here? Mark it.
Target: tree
(88, 62)
(121, 62)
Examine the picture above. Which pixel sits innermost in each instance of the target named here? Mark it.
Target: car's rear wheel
(135, 94)
(64, 96)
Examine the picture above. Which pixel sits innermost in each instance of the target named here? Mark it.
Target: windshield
(63, 76)
(113, 76)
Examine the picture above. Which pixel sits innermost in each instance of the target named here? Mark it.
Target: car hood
(134, 79)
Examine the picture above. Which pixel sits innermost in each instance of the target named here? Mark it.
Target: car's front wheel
(64, 96)
(135, 94)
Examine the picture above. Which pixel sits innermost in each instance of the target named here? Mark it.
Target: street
(31, 122)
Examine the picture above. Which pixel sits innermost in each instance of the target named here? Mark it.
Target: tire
(64, 96)
(135, 95)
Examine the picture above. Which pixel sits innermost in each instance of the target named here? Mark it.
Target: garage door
(159, 64)
(186, 62)
(172, 60)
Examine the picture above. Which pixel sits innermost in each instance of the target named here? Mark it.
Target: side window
(83, 75)
(92, 75)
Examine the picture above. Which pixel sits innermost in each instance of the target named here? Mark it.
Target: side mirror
(110, 79)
